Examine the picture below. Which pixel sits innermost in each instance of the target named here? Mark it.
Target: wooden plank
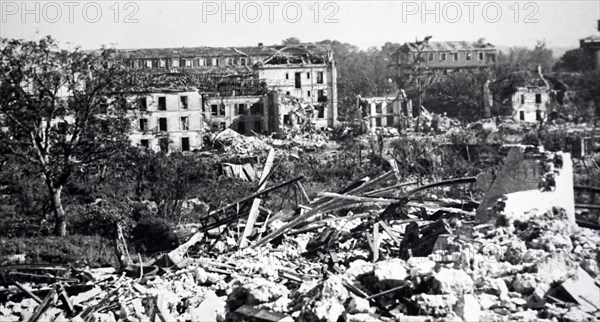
(254, 210)
(176, 256)
(317, 209)
(28, 292)
(45, 305)
(303, 191)
(376, 242)
(390, 232)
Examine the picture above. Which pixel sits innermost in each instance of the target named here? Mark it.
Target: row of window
(189, 62)
(163, 144)
(298, 78)
(162, 103)
(538, 98)
(456, 56)
(321, 95)
(538, 115)
(184, 124)
(239, 109)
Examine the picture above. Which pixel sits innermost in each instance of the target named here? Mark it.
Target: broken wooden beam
(254, 209)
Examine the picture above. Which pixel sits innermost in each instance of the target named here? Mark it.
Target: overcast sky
(142, 24)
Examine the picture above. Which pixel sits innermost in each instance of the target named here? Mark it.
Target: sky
(148, 24)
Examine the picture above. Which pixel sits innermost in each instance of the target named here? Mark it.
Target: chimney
(260, 44)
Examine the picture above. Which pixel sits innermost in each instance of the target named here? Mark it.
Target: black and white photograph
(307, 160)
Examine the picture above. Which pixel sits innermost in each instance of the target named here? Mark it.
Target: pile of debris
(234, 144)
(370, 252)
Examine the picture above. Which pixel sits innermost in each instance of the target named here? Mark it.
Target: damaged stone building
(385, 111)
(239, 88)
(446, 56)
(529, 94)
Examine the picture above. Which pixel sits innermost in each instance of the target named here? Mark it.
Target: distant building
(238, 88)
(529, 94)
(592, 45)
(385, 111)
(446, 56)
(169, 120)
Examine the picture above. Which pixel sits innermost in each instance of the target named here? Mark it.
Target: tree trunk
(60, 226)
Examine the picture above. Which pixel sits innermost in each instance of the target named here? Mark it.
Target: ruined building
(240, 88)
(530, 94)
(446, 56)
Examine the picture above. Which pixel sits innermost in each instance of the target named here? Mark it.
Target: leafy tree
(523, 58)
(575, 60)
(290, 41)
(61, 111)
(459, 95)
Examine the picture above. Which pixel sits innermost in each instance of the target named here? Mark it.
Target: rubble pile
(234, 144)
(358, 255)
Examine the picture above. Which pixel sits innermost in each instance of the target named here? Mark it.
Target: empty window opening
(145, 143)
(241, 127)
(389, 121)
(430, 56)
(185, 144)
(308, 75)
(538, 98)
(522, 99)
(214, 110)
(321, 112)
(143, 103)
(143, 125)
(298, 80)
(480, 56)
(163, 143)
(538, 115)
(162, 124)
(162, 103)
(184, 102)
(319, 77)
(468, 56)
(287, 120)
(443, 57)
(241, 109)
(522, 115)
(185, 124)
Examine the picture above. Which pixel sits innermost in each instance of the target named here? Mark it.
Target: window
(308, 93)
(308, 75)
(298, 80)
(175, 62)
(214, 110)
(389, 108)
(538, 98)
(321, 112)
(287, 120)
(522, 115)
(287, 93)
(430, 57)
(480, 55)
(321, 96)
(378, 108)
(184, 102)
(455, 56)
(155, 63)
(389, 121)
(143, 125)
(287, 76)
(319, 77)
(222, 110)
(162, 124)
(468, 56)
(163, 143)
(538, 115)
(162, 103)
(491, 58)
(257, 126)
(256, 109)
(143, 103)
(522, 99)
(378, 121)
(243, 61)
(443, 56)
(241, 109)
(185, 124)
(145, 143)
(185, 144)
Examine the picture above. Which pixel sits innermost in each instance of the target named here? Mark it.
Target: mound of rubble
(361, 255)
